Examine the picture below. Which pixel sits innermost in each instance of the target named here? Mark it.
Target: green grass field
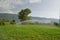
(29, 32)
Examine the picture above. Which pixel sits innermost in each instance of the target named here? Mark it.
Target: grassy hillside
(29, 32)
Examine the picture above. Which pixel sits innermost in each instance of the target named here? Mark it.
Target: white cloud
(9, 11)
(9, 4)
(2, 10)
(34, 1)
(6, 5)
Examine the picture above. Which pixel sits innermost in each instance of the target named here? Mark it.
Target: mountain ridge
(15, 17)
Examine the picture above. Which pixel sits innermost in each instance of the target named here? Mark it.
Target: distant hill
(15, 17)
(45, 19)
(9, 16)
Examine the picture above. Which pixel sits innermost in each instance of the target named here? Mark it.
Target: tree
(23, 14)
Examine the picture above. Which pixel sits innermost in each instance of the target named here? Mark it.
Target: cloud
(2, 10)
(12, 4)
(34, 1)
(6, 5)
(9, 11)
(9, 4)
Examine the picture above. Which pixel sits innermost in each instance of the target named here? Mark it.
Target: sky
(39, 8)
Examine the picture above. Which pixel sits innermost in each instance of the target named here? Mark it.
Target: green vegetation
(56, 24)
(13, 22)
(4, 21)
(29, 32)
(7, 22)
(23, 14)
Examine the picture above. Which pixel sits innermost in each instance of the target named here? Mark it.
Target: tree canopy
(23, 14)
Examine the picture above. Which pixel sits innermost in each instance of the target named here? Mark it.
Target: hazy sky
(40, 8)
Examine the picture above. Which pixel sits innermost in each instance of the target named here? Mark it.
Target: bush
(57, 24)
(3, 21)
(13, 22)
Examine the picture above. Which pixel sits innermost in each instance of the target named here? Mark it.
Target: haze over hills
(15, 17)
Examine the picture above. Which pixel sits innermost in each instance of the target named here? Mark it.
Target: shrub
(3, 21)
(57, 24)
(13, 22)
